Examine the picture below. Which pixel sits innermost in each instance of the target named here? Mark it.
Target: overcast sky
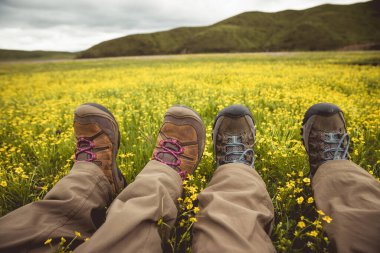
(74, 25)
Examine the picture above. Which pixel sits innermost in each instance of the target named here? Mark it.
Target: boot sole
(233, 111)
(322, 109)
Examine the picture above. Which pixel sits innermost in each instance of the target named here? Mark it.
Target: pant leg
(351, 196)
(236, 213)
(75, 203)
(131, 224)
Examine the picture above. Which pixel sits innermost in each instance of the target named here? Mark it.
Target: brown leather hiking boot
(98, 140)
(233, 136)
(324, 135)
(181, 140)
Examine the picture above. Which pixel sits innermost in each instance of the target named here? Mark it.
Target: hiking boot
(98, 140)
(324, 135)
(181, 140)
(233, 136)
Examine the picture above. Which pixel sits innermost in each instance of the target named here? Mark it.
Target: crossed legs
(236, 212)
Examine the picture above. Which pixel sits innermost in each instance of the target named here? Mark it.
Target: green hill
(326, 27)
(16, 55)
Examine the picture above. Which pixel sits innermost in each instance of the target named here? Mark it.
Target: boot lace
(85, 146)
(340, 150)
(235, 151)
(174, 148)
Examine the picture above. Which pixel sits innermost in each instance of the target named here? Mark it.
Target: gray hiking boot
(181, 140)
(234, 136)
(98, 141)
(324, 135)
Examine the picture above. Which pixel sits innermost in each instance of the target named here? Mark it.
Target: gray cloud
(73, 25)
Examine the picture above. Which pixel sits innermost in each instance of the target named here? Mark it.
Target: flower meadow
(37, 144)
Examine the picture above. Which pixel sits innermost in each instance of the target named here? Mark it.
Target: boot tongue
(82, 157)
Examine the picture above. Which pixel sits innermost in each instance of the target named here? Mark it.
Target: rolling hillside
(326, 27)
(16, 55)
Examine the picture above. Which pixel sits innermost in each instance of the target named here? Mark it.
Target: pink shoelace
(182, 174)
(173, 152)
(85, 146)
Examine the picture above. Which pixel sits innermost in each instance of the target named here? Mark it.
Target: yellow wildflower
(327, 218)
(300, 200)
(189, 206)
(19, 170)
(320, 212)
(317, 224)
(313, 233)
(48, 241)
(306, 180)
(310, 200)
(194, 197)
(63, 240)
(301, 224)
(4, 183)
(77, 234)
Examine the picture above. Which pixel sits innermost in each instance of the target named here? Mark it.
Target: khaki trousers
(351, 196)
(236, 211)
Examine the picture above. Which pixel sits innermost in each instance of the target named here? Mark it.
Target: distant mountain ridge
(325, 27)
(15, 55)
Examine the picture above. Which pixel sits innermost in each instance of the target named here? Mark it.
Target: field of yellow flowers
(37, 101)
